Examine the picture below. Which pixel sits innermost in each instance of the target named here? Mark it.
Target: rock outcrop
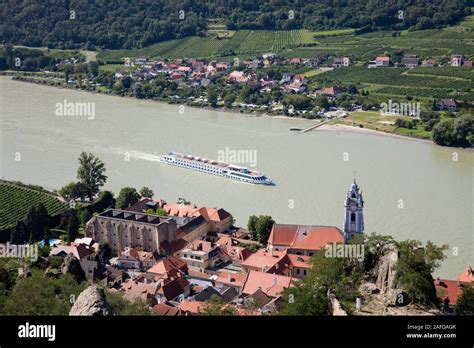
(91, 302)
(72, 265)
(384, 272)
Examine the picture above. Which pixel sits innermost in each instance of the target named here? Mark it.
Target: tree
(212, 96)
(229, 99)
(126, 82)
(84, 216)
(36, 221)
(321, 102)
(465, 303)
(127, 197)
(91, 173)
(299, 102)
(146, 192)
(183, 201)
(19, 233)
(263, 228)
(79, 191)
(327, 274)
(442, 132)
(252, 226)
(66, 190)
(47, 236)
(72, 228)
(105, 251)
(415, 266)
(216, 306)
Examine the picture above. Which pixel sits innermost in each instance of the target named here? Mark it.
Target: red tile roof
(172, 288)
(262, 260)
(192, 307)
(304, 237)
(270, 284)
(450, 290)
(467, 275)
(231, 279)
(169, 267)
(164, 309)
(134, 290)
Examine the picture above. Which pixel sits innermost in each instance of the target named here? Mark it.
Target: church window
(353, 217)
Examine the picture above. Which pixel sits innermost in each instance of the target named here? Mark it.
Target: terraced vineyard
(249, 42)
(450, 82)
(15, 201)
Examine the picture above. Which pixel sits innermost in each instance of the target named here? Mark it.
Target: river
(412, 189)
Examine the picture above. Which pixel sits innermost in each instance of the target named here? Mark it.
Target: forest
(119, 24)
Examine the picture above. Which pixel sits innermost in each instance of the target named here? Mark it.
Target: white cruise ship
(216, 168)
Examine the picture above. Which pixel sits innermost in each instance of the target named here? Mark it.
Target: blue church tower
(354, 213)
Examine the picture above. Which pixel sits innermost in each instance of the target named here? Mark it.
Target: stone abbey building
(124, 229)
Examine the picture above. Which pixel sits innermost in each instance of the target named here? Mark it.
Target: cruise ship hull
(241, 174)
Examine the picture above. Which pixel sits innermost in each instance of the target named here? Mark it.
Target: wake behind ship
(213, 167)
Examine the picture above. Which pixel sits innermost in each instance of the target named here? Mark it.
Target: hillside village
(182, 259)
(191, 73)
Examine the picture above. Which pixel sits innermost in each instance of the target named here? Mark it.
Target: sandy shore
(347, 128)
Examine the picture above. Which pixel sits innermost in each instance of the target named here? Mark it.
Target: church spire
(354, 215)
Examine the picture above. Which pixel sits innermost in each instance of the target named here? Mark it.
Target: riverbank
(249, 113)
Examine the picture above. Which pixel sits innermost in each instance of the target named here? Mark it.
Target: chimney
(438, 281)
(274, 281)
(228, 277)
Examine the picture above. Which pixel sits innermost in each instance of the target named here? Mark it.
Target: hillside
(432, 43)
(15, 201)
(122, 24)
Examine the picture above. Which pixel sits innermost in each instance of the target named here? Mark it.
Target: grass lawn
(112, 67)
(376, 121)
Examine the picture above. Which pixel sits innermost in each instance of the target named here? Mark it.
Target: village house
(168, 267)
(231, 252)
(429, 63)
(124, 229)
(271, 285)
(80, 251)
(200, 255)
(456, 60)
(410, 62)
(340, 62)
(449, 291)
(237, 76)
(136, 259)
(191, 307)
(302, 239)
(277, 262)
(380, 61)
(233, 280)
(330, 92)
(164, 309)
(446, 105)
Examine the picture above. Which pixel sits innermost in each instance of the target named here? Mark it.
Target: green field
(15, 201)
(376, 121)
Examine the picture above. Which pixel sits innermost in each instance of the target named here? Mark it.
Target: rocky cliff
(91, 302)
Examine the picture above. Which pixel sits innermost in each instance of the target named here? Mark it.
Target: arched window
(353, 217)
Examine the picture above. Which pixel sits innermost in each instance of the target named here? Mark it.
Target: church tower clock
(354, 213)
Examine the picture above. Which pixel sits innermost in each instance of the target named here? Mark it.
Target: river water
(412, 189)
